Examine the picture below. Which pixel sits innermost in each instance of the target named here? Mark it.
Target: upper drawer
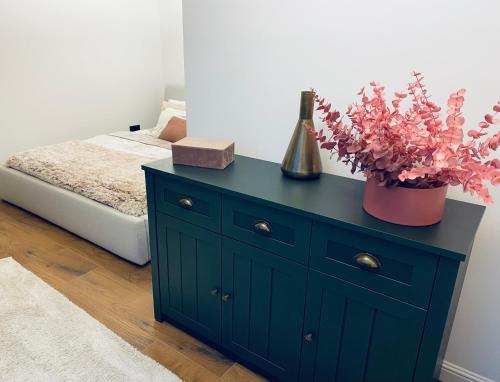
(193, 204)
(268, 228)
(392, 269)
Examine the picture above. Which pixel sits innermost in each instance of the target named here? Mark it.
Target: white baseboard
(453, 373)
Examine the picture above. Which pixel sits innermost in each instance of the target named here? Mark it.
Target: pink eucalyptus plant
(413, 147)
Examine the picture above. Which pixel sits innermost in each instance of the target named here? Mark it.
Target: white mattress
(129, 146)
(121, 234)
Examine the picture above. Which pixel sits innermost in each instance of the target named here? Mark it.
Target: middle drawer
(268, 228)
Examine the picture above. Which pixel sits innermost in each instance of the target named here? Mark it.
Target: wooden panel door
(190, 275)
(263, 298)
(352, 334)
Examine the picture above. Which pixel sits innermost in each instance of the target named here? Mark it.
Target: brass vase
(302, 159)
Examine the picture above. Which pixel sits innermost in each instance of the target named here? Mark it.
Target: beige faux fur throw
(107, 176)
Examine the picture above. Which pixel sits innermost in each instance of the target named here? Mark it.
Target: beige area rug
(45, 337)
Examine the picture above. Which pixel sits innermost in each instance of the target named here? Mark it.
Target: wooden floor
(113, 291)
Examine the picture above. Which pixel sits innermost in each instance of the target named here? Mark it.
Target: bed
(123, 234)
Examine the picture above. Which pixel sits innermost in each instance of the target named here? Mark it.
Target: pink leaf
(455, 121)
(475, 134)
(485, 195)
(355, 147)
(489, 118)
(495, 163)
(496, 180)
(328, 145)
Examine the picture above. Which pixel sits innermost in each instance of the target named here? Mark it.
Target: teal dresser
(296, 280)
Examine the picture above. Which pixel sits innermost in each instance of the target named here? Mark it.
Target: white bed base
(121, 234)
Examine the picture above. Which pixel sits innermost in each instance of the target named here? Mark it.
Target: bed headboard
(175, 92)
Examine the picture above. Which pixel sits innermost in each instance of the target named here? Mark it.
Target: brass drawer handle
(309, 337)
(367, 261)
(186, 203)
(214, 292)
(262, 227)
(225, 297)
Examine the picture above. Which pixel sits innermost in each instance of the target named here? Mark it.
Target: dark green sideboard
(296, 280)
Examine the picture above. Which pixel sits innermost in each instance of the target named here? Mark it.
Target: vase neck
(306, 105)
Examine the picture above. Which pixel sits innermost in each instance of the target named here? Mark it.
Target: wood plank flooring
(115, 292)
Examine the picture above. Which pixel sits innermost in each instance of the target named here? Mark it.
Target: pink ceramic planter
(405, 206)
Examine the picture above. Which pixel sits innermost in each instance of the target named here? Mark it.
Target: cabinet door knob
(226, 297)
(214, 292)
(262, 227)
(186, 202)
(367, 261)
(309, 337)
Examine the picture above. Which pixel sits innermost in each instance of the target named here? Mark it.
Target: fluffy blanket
(107, 176)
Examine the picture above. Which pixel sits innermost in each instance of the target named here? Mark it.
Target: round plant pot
(405, 206)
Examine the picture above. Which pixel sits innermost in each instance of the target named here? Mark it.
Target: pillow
(164, 117)
(174, 130)
(173, 104)
(176, 101)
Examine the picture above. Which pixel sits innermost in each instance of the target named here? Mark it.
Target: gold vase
(302, 159)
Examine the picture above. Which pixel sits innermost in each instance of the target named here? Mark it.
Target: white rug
(45, 337)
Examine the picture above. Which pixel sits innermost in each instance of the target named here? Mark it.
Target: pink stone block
(202, 152)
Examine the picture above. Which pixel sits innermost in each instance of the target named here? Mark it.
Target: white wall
(246, 62)
(172, 48)
(73, 69)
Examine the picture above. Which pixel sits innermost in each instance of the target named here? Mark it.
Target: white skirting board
(453, 373)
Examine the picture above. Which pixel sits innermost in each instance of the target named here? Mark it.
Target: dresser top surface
(332, 199)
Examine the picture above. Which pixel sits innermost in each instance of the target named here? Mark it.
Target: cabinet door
(263, 298)
(352, 334)
(190, 275)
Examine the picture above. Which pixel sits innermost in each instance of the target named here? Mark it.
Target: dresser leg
(158, 317)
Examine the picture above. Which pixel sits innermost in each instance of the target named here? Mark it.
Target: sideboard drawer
(401, 272)
(268, 228)
(185, 201)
